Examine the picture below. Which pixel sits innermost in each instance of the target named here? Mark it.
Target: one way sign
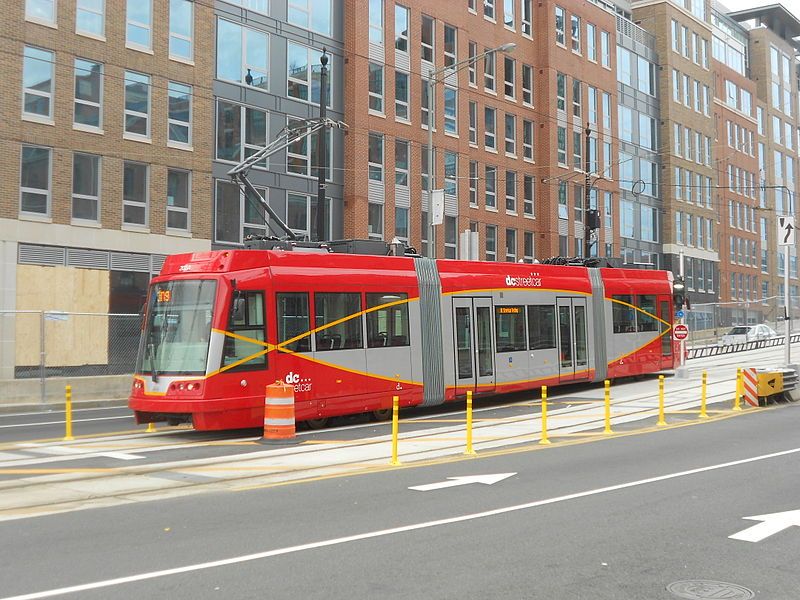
(785, 231)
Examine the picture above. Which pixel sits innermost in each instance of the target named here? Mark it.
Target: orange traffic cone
(279, 423)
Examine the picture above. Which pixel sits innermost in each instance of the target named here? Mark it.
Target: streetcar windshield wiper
(151, 350)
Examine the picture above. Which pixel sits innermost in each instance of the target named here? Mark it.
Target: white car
(747, 333)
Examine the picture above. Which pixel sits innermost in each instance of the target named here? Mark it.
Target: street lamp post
(435, 77)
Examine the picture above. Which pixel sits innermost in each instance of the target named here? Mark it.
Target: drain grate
(709, 590)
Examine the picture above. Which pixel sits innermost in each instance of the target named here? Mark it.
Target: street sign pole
(682, 371)
(786, 239)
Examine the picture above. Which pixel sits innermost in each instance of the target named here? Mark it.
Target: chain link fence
(66, 345)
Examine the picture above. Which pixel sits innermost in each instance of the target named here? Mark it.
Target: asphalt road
(622, 517)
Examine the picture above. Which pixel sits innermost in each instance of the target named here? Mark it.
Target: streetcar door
(665, 314)
(573, 345)
(474, 352)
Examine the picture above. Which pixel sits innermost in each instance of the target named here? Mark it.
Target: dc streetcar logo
(300, 384)
(533, 281)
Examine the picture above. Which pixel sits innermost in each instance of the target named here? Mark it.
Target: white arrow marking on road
(772, 523)
(454, 481)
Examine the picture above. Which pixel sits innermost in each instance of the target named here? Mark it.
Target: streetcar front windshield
(176, 335)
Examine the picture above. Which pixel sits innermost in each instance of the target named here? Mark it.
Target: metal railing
(714, 350)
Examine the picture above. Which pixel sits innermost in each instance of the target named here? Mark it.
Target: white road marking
(384, 532)
(770, 525)
(456, 481)
(62, 422)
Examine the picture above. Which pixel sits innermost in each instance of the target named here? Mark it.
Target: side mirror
(237, 308)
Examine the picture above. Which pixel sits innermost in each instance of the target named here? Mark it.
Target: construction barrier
(279, 423)
(750, 386)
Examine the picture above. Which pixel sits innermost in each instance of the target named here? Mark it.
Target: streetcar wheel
(316, 423)
(382, 415)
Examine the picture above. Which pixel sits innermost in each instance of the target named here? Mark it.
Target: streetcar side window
(509, 328)
(387, 326)
(541, 327)
(623, 314)
(338, 321)
(294, 320)
(645, 319)
(247, 349)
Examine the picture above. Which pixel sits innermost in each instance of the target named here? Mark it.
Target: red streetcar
(349, 331)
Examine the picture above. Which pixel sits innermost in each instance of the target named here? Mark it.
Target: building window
(508, 13)
(450, 46)
(181, 26)
(401, 110)
(511, 246)
(561, 137)
(473, 123)
(527, 247)
(490, 180)
(491, 242)
(242, 55)
(90, 17)
(37, 83)
(488, 9)
(301, 214)
(473, 183)
(511, 192)
(303, 76)
(627, 219)
(137, 104)
(180, 113)
(527, 140)
(88, 94)
(527, 85)
(401, 163)
(526, 17)
(605, 50)
(139, 24)
(511, 134)
(450, 241)
(489, 128)
(576, 33)
(561, 91)
(302, 154)
(179, 191)
(450, 110)
(34, 182)
(135, 190)
(42, 11)
(376, 21)
(401, 223)
(527, 195)
(376, 88)
(375, 218)
(488, 71)
(509, 78)
(311, 14)
(560, 24)
(472, 51)
(237, 216)
(563, 211)
(591, 42)
(427, 38)
(375, 152)
(86, 187)
(577, 153)
(401, 19)
(576, 97)
(450, 173)
(241, 132)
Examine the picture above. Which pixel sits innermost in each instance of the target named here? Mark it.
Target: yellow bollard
(738, 397)
(395, 428)
(544, 439)
(703, 413)
(68, 414)
(151, 427)
(608, 406)
(469, 449)
(661, 421)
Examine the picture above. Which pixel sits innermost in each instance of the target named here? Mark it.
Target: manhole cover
(709, 590)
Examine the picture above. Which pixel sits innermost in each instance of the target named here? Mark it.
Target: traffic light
(679, 297)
